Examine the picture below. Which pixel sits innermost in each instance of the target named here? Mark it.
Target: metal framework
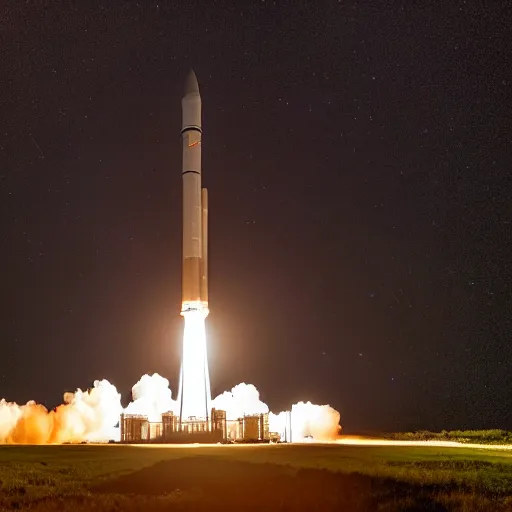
(248, 429)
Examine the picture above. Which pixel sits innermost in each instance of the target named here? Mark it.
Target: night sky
(357, 157)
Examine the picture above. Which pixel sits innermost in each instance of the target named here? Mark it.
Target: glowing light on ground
(361, 441)
(194, 396)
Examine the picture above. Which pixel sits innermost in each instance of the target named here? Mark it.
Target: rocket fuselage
(195, 204)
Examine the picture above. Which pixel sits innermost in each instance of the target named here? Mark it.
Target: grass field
(275, 477)
(495, 436)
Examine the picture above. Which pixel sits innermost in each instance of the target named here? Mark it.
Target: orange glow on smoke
(87, 415)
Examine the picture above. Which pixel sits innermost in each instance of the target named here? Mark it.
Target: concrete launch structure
(194, 395)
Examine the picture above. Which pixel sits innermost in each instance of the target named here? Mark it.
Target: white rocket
(195, 205)
(194, 394)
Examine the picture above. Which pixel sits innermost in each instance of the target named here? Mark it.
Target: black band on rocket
(191, 128)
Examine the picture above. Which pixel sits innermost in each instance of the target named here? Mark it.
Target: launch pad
(137, 429)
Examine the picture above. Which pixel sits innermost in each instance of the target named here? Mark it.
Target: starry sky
(357, 157)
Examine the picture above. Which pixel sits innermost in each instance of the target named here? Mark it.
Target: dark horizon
(356, 160)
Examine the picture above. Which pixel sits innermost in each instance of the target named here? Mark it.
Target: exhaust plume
(307, 421)
(90, 415)
(152, 397)
(93, 415)
(242, 400)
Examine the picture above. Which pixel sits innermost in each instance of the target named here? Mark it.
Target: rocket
(195, 205)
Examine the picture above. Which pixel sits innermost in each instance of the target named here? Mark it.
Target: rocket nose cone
(191, 86)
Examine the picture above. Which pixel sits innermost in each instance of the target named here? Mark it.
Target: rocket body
(194, 396)
(195, 205)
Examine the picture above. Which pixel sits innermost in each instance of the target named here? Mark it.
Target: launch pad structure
(137, 429)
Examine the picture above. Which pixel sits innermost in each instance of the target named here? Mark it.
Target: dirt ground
(210, 481)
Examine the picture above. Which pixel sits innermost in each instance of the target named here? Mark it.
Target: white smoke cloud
(320, 422)
(84, 415)
(10, 414)
(242, 400)
(306, 420)
(152, 397)
(93, 415)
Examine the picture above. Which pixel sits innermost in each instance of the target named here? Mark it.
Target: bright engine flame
(194, 396)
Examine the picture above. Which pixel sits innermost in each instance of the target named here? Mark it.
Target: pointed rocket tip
(191, 86)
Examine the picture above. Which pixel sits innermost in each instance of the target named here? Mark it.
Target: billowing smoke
(90, 415)
(152, 397)
(306, 421)
(93, 415)
(242, 400)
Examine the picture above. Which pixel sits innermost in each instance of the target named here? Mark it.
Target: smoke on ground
(93, 415)
(307, 421)
(242, 400)
(152, 397)
(85, 415)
